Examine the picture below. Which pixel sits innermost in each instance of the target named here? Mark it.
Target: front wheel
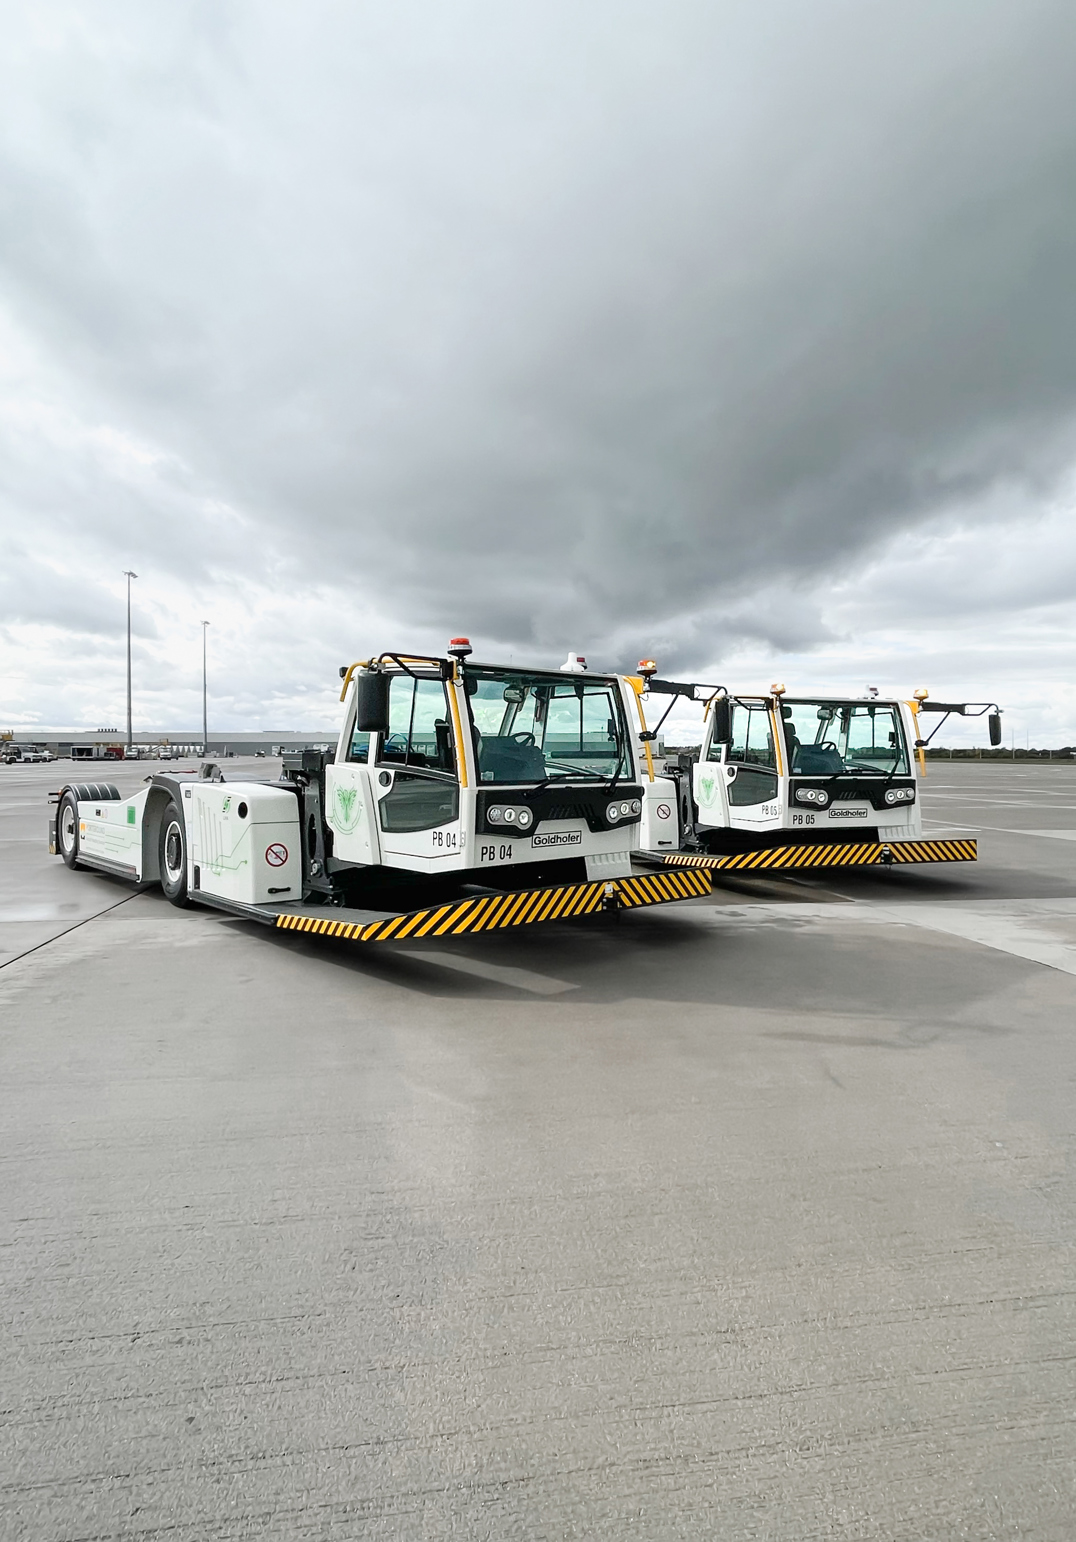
(67, 829)
(172, 855)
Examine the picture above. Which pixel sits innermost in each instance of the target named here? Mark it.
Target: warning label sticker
(276, 854)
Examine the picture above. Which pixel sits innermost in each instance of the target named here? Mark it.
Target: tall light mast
(129, 575)
(205, 695)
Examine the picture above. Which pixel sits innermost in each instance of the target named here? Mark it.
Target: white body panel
(350, 812)
(898, 824)
(252, 857)
(605, 849)
(712, 784)
(440, 849)
(112, 832)
(660, 827)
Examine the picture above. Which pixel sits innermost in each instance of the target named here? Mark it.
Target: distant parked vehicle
(32, 756)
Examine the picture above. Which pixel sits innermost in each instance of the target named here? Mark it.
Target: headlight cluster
(900, 795)
(617, 811)
(510, 814)
(817, 797)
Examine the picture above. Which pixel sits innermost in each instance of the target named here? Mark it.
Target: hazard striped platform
(495, 912)
(845, 854)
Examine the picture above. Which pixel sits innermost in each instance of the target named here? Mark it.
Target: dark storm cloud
(560, 323)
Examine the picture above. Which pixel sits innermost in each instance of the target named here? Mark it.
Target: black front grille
(870, 790)
(566, 811)
(548, 803)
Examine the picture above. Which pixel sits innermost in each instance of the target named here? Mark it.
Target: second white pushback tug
(791, 781)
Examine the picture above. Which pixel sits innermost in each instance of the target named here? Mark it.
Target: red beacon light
(647, 668)
(459, 647)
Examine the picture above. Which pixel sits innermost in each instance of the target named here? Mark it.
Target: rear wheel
(67, 828)
(172, 855)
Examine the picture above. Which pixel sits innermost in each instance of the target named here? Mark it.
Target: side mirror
(372, 703)
(722, 720)
(993, 722)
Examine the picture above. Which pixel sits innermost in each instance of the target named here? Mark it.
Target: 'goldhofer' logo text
(847, 813)
(559, 838)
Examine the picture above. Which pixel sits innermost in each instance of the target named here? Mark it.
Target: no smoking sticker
(276, 854)
(663, 811)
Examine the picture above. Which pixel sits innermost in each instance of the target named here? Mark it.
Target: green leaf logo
(346, 808)
(706, 785)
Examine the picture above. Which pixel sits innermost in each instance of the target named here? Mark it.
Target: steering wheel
(522, 738)
(829, 745)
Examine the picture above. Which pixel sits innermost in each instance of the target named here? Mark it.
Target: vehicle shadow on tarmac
(738, 955)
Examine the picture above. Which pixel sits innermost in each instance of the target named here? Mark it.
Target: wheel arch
(156, 802)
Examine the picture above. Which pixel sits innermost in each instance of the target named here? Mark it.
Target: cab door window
(751, 751)
(419, 735)
(420, 749)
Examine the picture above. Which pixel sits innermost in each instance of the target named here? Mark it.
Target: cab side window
(360, 746)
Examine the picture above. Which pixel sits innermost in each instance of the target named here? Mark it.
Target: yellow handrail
(913, 705)
(461, 753)
(359, 664)
(638, 685)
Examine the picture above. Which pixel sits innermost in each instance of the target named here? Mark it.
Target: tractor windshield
(544, 727)
(828, 738)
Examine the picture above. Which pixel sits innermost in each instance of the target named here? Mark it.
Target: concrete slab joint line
(1005, 931)
(1006, 926)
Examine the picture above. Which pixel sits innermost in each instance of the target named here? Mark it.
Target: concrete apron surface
(744, 1218)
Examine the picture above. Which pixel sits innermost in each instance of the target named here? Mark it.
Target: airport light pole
(129, 575)
(205, 712)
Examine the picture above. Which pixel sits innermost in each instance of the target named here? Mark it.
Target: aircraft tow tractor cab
(790, 781)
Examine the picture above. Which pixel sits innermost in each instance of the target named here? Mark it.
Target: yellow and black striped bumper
(493, 912)
(846, 854)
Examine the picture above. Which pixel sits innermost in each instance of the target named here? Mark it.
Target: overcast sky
(740, 334)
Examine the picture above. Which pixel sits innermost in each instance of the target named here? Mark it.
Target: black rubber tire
(95, 792)
(67, 829)
(172, 855)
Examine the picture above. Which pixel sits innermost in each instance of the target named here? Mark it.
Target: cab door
(738, 785)
(415, 779)
(350, 807)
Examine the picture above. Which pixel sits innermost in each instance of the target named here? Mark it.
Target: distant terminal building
(110, 743)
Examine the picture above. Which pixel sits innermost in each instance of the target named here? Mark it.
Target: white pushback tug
(790, 781)
(460, 797)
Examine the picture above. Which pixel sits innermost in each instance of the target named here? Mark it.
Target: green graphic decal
(131, 816)
(211, 843)
(706, 786)
(346, 808)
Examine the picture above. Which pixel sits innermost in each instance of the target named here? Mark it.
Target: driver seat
(817, 760)
(508, 760)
